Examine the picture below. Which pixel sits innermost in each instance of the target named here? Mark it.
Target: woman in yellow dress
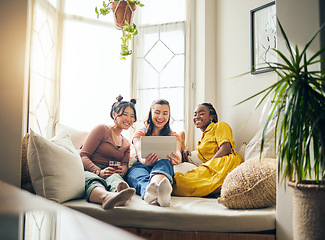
(213, 157)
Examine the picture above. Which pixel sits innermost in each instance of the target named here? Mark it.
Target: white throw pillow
(253, 148)
(241, 150)
(55, 168)
(77, 137)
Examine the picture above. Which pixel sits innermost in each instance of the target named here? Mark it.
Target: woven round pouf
(308, 208)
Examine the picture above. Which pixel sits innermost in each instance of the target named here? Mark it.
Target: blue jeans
(139, 175)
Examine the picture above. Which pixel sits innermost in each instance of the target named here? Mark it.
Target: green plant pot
(308, 210)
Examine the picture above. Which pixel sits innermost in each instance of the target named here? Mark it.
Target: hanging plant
(123, 17)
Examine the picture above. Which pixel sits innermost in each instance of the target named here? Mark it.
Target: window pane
(92, 74)
(174, 40)
(160, 54)
(177, 126)
(173, 74)
(159, 12)
(143, 104)
(86, 8)
(148, 75)
(149, 36)
(175, 97)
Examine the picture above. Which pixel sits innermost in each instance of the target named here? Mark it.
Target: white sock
(164, 192)
(151, 192)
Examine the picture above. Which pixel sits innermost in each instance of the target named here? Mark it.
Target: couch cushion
(77, 137)
(253, 148)
(241, 150)
(184, 213)
(251, 185)
(55, 168)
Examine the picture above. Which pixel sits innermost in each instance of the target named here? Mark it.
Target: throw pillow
(241, 150)
(251, 185)
(55, 168)
(77, 137)
(182, 135)
(26, 182)
(254, 146)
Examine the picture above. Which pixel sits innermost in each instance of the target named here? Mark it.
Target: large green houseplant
(298, 107)
(123, 15)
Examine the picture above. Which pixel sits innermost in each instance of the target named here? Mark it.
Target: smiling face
(202, 117)
(125, 119)
(160, 115)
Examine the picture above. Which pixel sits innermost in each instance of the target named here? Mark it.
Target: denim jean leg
(163, 166)
(138, 177)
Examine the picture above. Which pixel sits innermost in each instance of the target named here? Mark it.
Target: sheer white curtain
(43, 66)
(160, 58)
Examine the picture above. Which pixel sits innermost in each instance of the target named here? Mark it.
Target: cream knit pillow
(251, 185)
(55, 168)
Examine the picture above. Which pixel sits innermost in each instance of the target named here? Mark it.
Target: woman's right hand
(150, 160)
(185, 155)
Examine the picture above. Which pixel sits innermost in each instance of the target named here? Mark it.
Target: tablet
(162, 145)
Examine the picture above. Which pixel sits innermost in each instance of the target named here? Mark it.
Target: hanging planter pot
(123, 11)
(308, 210)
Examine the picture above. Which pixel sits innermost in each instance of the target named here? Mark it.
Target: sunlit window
(92, 74)
(76, 72)
(160, 58)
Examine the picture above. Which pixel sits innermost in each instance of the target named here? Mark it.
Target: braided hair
(149, 123)
(120, 106)
(212, 111)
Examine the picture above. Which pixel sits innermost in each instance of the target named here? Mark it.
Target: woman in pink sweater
(105, 145)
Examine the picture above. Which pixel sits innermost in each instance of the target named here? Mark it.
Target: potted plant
(123, 18)
(298, 107)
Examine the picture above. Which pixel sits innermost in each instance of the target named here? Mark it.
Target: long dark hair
(121, 105)
(149, 124)
(212, 111)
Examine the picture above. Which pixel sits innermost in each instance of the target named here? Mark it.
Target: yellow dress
(210, 175)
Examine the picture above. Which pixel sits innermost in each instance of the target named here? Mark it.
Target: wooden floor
(180, 235)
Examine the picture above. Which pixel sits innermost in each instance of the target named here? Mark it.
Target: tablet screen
(162, 145)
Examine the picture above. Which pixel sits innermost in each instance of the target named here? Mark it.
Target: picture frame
(263, 37)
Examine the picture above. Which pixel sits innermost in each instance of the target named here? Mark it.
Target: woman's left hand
(175, 158)
(106, 172)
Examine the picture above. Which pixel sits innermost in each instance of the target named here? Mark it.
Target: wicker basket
(308, 210)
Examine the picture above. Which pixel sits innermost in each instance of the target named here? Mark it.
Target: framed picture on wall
(263, 37)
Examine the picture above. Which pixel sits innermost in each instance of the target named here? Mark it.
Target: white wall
(233, 55)
(13, 24)
(222, 47)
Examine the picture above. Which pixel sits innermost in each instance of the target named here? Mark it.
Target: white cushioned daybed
(186, 218)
